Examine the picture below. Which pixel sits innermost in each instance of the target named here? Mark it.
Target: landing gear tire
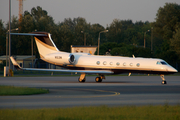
(98, 79)
(81, 81)
(164, 82)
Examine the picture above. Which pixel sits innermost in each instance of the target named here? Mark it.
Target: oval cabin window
(131, 64)
(104, 63)
(117, 63)
(124, 64)
(137, 64)
(98, 62)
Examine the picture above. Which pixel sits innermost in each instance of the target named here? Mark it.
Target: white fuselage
(117, 64)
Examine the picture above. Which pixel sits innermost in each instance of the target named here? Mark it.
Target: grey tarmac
(113, 91)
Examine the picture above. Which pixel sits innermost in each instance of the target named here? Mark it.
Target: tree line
(125, 38)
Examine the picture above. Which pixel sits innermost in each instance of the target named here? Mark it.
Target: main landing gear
(99, 79)
(163, 80)
(82, 78)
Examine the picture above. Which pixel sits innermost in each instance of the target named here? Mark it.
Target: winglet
(16, 65)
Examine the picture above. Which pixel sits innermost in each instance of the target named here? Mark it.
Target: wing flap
(17, 66)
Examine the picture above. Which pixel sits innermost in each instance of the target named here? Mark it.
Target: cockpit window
(163, 63)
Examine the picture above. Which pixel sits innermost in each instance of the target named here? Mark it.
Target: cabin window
(104, 63)
(124, 64)
(117, 63)
(158, 63)
(131, 64)
(111, 63)
(98, 62)
(137, 64)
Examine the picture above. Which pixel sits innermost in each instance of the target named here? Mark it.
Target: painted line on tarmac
(92, 96)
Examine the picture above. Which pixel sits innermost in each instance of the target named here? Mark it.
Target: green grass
(11, 90)
(165, 112)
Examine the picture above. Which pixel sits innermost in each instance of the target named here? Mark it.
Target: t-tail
(45, 44)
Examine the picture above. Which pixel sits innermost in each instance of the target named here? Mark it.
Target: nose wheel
(83, 80)
(163, 80)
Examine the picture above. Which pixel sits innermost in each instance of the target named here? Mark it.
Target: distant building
(83, 49)
(22, 60)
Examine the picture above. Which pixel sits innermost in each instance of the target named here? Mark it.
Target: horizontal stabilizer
(30, 34)
(17, 66)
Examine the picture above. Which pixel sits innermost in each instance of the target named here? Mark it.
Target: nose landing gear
(163, 80)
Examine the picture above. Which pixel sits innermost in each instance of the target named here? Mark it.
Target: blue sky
(94, 11)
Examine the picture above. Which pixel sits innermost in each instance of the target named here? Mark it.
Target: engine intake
(72, 59)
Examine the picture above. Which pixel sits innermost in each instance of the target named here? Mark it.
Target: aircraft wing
(17, 66)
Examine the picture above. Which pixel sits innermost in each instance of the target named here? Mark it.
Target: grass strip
(165, 112)
(11, 90)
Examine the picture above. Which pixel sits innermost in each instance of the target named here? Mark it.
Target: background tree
(166, 24)
(114, 34)
(65, 38)
(167, 21)
(2, 39)
(43, 21)
(106, 47)
(94, 32)
(123, 49)
(175, 42)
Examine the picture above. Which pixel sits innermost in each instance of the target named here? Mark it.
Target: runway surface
(114, 91)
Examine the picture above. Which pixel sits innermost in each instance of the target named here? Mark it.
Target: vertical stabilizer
(45, 44)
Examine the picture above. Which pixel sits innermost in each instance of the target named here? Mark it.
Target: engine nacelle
(61, 58)
(71, 59)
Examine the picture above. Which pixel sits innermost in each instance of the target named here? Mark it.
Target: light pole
(9, 33)
(6, 47)
(145, 38)
(84, 38)
(151, 39)
(7, 44)
(99, 39)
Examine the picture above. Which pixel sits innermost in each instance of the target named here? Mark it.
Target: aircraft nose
(172, 70)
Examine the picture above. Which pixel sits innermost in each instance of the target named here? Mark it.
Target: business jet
(85, 63)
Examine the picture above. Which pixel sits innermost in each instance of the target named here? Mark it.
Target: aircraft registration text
(58, 57)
